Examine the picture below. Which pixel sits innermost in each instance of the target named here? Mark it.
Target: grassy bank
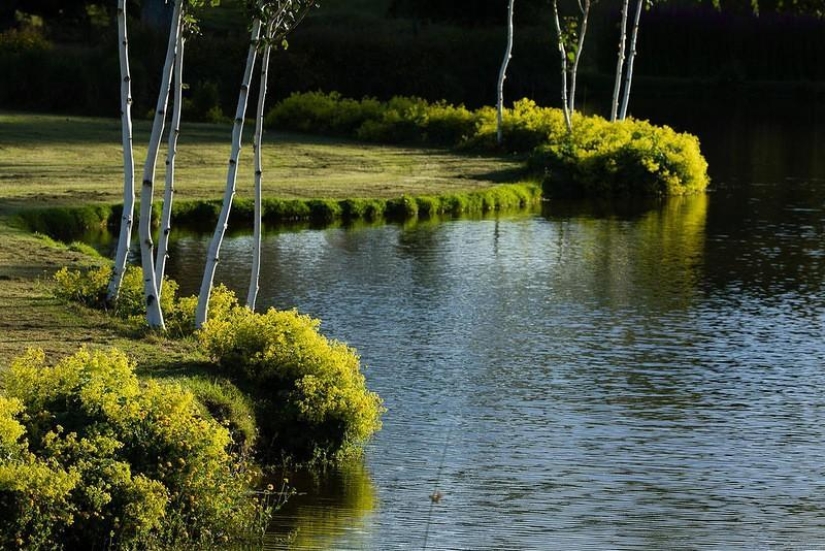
(54, 161)
(51, 160)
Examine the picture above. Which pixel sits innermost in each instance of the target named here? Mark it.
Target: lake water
(633, 377)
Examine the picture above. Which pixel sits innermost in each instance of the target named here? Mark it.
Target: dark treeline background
(61, 55)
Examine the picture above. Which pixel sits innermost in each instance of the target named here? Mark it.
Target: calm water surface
(648, 377)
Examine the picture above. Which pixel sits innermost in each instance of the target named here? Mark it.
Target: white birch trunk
(617, 85)
(631, 58)
(563, 53)
(213, 253)
(575, 70)
(502, 75)
(154, 315)
(127, 219)
(255, 277)
(169, 187)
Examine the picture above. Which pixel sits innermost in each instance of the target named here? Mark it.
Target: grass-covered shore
(52, 160)
(56, 161)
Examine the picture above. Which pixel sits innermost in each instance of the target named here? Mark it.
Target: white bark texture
(127, 219)
(213, 253)
(154, 315)
(502, 75)
(575, 70)
(617, 85)
(631, 58)
(169, 187)
(255, 277)
(568, 120)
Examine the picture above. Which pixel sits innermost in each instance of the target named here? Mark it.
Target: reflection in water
(648, 379)
(327, 506)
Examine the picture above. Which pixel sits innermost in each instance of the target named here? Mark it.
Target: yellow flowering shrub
(93, 457)
(312, 397)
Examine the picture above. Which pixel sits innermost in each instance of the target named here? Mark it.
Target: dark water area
(584, 377)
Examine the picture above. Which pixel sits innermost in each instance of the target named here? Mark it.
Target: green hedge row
(69, 223)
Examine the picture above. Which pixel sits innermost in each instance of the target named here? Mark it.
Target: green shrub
(92, 457)
(227, 405)
(196, 214)
(85, 287)
(449, 125)
(26, 39)
(402, 208)
(631, 157)
(312, 397)
(374, 209)
(205, 103)
(428, 206)
(324, 210)
(90, 288)
(279, 210)
(320, 113)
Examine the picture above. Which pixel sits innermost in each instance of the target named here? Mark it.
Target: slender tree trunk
(254, 280)
(169, 187)
(502, 75)
(631, 58)
(213, 253)
(568, 120)
(617, 85)
(154, 315)
(575, 70)
(127, 219)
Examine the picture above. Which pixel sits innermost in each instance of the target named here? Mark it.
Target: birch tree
(620, 58)
(127, 218)
(562, 45)
(154, 315)
(502, 75)
(285, 15)
(631, 59)
(172, 147)
(213, 252)
(584, 9)
(570, 38)
(254, 280)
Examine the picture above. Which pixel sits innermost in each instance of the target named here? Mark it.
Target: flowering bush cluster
(307, 393)
(92, 457)
(313, 402)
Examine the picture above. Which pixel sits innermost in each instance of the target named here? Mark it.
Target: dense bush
(90, 287)
(312, 399)
(631, 157)
(399, 120)
(90, 457)
(26, 39)
(306, 392)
